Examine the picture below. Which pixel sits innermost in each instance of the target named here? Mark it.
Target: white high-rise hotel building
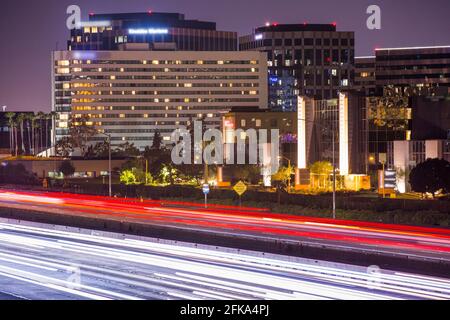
(132, 94)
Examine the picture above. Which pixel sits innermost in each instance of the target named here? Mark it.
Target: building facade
(417, 70)
(365, 75)
(313, 60)
(132, 94)
(332, 130)
(156, 30)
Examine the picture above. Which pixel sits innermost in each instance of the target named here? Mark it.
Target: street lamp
(334, 162)
(109, 161)
(289, 166)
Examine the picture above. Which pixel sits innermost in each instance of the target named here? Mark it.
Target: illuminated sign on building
(148, 31)
(84, 55)
(390, 179)
(98, 24)
(258, 36)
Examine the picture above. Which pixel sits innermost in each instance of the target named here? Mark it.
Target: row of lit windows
(167, 100)
(145, 115)
(74, 70)
(157, 85)
(143, 108)
(133, 92)
(156, 62)
(159, 77)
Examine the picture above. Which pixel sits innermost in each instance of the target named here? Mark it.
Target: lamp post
(334, 162)
(109, 161)
(289, 167)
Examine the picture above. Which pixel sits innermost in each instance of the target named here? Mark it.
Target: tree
(135, 176)
(80, 132)
(30, 118)
(126, 150)
(127, 177)
(283, 175)
(247, 173)
(12, 124)
(41, 116)
(66, 168)
(64, 147)
(322, 169)
(157, 141)
(431, 176)
(20, 119)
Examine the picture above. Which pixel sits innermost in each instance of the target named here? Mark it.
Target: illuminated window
(63, 70)
(258, 122)
(94, 30)
(155, 62)
(87, 30)
(63, 63)
(121, 115)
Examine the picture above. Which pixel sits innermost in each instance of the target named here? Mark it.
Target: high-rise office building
(132, 94)
(157, 31)
(365, 75)
(312, 60)
(417, 70)
(339, 122)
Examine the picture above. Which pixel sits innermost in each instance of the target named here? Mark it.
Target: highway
(40, 262)
(399, 240)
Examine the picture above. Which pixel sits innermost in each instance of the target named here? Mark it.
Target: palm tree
(20, 119)
(11, 122)
(41, 116)
(30, 130)
(52, 118)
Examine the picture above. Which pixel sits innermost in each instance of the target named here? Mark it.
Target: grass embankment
(420, 218)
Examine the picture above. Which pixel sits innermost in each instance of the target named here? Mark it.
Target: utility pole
(109, 162)
(334, 177)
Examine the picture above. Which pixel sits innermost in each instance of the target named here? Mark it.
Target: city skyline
(400, 28)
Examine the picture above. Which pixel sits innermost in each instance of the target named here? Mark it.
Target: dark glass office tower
(152, 31)
(313, 60)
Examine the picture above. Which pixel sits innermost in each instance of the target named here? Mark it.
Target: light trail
(114, 267)
(421, 242)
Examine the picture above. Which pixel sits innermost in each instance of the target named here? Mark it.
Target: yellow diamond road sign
(240, 188)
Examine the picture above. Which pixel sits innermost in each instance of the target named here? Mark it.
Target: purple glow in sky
(31, 29)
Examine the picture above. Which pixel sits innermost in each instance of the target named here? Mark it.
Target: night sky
(30, 29)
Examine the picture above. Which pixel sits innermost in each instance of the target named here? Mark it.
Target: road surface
(38, 262)
(413, 242)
